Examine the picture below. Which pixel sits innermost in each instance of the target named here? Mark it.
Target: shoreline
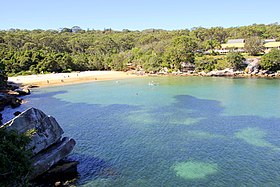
(60, 79)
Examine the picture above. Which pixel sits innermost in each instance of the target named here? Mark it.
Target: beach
(55, 79)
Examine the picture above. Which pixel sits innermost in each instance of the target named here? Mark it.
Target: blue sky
(135, 15)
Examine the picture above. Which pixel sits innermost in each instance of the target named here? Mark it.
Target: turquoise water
(185, 131)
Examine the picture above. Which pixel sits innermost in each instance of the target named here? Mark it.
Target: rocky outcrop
(7, 99)
(22, 91)
(47, 145)
(252, 65)
(43, 161)
(45, 129)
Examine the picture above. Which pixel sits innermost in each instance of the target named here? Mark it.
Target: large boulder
(45, 129)
(43, 161)
(47, 145)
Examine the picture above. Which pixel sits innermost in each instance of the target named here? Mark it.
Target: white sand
(69, 78)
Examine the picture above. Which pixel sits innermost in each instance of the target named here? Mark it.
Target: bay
(170, 131)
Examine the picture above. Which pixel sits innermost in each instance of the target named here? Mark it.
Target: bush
(222, 64)
(236, 60)
(15, 164)
(271, 60)
(205, 64)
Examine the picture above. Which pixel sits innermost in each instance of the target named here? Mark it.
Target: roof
(233, 45)
(269, 40)
(272, 44)
(235, 41)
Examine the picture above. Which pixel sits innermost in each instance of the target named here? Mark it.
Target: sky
(135, 15)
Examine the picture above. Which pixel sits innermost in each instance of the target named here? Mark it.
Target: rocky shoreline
(47, 145)
(11, 96)
(217, 73)
(49, 148)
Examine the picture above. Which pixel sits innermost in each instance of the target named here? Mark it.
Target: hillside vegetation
(74, 49)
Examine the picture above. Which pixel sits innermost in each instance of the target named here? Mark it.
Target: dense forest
(75, 49)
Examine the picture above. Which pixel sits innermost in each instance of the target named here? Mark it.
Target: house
(237, 45)
(268, 40)
(271, 45)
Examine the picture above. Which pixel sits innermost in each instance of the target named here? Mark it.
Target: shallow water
(184, 131)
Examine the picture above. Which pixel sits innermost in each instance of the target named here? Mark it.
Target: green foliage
(236, 60)
(222, 64)
(74, 49)
(271, 60)
(15, 164)
(205, 64)
(3, 76)
(254, 45)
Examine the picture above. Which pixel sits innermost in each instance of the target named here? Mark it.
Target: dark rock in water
(17, 113)
(58, 174)
(22, 91)
(1, 119)
(46, 144)
(9, 99)
(32, 86)
(12, 86)
(63, 168)
(15, 102)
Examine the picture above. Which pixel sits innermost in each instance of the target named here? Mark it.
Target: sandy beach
(54, 79)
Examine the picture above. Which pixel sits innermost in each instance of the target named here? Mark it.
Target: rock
(46, 144)
(9, 99)
(253, 65)
(47, 158)
(62, 171)
(17, 113)
(15, 102)
(22, 91)
(1, 119)
(62, 174)
(63, 168)
(58, 183)
(12, 86)
(46, 129)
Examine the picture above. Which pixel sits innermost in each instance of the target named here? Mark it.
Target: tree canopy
(75, 49)
(254, 45)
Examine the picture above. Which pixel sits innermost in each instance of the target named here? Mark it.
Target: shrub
(271, 60)
(222, 64)
(205, 64)
(15, 164)
(236, 60)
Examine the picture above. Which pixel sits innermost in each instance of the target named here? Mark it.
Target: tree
(15, 164)
(271, 60)
(236, 60)
(254, 45)
(205, 64)
(3, 76)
